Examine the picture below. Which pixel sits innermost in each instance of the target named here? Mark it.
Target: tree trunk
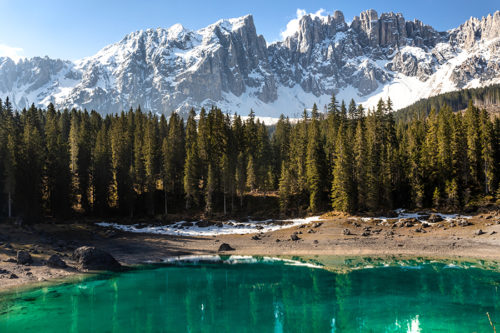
(232, 202)
(166, 206)
(486, 188)
(225, 210)
(10, 205)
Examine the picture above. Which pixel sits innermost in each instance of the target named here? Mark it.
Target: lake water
(266, 296)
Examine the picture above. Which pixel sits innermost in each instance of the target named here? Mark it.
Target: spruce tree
(57, 172)
(173, 155)
(343, 198)
(102, 175)
(191, 165)
(314, 162)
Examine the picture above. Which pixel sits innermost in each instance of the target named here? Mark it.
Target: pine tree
(240, 176)
(360, 162)
(151, 158)
(436, 198)
(373, 188)
(121, 152)
(57, 172)
(138, 167)
(473, 134)
(281, 142)
(415, 168)
(487, 139)
(331, 127)
(343, 198)
(84, 161)
(102, 175)
(430, 155)
(10, 157)
(250, 175)
(352, 110)
(241, 163)
(29, 168)
(460, 163)
(314, 162)
(74, 133)
(173, 152)
(191, 165)
(285, 188)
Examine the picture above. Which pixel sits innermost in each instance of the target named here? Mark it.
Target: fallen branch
(494, 329)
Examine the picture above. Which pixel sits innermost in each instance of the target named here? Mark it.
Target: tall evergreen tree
(57, 164)
(343, 192)
(191, 165)
(314, 162)
(102, 175)
(173, 152)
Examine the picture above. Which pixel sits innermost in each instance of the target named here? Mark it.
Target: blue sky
(76, 29)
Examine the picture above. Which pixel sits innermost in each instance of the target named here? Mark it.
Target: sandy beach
(332, 236)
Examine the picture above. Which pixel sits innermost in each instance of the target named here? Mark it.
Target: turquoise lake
(263, 297)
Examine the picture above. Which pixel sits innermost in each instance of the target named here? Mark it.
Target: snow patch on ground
(419, 216)
(184, 228)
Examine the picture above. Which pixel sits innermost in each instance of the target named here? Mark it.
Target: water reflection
(270, 297)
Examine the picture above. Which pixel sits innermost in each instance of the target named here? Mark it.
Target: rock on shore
(91, 258)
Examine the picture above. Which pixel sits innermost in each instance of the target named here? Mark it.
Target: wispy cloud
(15, 53)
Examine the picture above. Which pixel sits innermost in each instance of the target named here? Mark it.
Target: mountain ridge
(228, 64)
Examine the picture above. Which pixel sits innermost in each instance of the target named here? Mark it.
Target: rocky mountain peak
(475, 30)
(228, 64)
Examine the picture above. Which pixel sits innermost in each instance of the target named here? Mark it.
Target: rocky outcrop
(91, 258)
(24, 258)
(230, 65)
(225, 247)
(55, 261)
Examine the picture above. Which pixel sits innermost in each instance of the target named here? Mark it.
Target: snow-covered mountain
(228, 64)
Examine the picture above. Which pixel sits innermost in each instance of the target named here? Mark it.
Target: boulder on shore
(24, 258)
(91, 258)
(56, 262)
(435, 218)
(225, 247)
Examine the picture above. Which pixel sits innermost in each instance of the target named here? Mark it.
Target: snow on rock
(229, 65)
(204, 228)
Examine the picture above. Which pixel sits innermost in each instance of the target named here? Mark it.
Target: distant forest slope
(484, 98)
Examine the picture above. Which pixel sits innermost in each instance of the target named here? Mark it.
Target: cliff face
(229, 64)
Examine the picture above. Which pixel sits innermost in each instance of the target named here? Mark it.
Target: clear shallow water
(263, 297)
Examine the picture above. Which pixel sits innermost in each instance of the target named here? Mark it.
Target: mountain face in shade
(229, 65)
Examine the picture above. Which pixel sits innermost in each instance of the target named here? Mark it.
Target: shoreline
(366, 238)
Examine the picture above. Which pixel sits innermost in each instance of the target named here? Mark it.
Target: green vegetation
(58, 163)
(457, 100)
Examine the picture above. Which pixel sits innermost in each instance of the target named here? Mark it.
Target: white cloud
(15, 53)
(293, 26)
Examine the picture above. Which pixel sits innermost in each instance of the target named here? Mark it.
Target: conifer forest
(62, 163)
